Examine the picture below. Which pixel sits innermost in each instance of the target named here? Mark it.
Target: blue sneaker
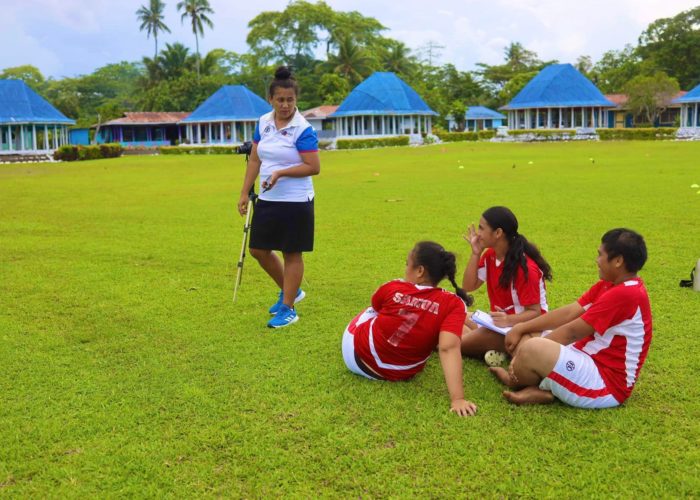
(285, 316)
(276, 306)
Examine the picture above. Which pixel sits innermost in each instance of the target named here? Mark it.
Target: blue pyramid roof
(230, 102)
(482, 113)
(383, 94)
(692, 96)
(558, 85)
(20, 104)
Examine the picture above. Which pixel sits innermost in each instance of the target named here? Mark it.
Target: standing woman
(285, 156)
(514, 271)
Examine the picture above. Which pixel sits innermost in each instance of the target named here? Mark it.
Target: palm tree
(197, 11)
(397, 58)
(352, 61)
(152, 20)
(174, 60)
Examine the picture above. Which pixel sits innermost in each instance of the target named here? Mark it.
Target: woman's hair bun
(283, 73)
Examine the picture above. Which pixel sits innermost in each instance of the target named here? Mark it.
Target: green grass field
(128, 371)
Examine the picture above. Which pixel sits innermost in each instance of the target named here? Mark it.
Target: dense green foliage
(372, 143)
(128, 371)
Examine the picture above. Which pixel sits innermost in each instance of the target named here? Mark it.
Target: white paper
(484, 319)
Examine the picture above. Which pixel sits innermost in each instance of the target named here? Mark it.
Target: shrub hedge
(70, 152)
(457, 136)
(544, 133)
(485, 135)
(637, 134)
(198, 150)
(372, 143)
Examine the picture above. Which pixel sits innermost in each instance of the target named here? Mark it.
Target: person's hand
(513, 338)
(243, 204)
(474, 241)
(500, 318)
(270, 182)
(463, 408)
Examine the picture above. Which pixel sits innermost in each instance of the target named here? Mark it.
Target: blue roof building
(558, 97)
(28, 123)
(690, 106)
(383, 104)
(228, 116)
(482, 118)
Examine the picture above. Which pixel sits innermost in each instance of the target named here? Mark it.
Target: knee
(530, 349)
(258, 254)
(470, 344)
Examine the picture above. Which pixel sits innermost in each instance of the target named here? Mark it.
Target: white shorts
(349, 342)
(576, 381)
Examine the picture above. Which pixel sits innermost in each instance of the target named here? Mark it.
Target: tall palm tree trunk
(196, 41)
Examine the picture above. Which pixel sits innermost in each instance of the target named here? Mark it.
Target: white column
(221, 132)
(383, 125)
(233, 132)
(21, 137)
(695, 123)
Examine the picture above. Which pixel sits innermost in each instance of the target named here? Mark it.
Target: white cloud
(68, 37)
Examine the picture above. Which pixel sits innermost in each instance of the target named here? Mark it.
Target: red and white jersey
(621, 317)
(521, 292)
(400, 339)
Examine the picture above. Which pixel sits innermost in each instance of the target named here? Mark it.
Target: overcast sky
(73, 37)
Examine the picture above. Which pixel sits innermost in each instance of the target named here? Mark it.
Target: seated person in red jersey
(393, 339)
(514, 272)
(599, 343)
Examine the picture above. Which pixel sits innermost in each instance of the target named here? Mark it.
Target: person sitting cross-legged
(598, 344)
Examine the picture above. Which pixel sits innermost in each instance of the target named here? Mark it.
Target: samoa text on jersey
(400, 339)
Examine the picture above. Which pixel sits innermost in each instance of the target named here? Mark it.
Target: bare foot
(503, 376)
(531, 395)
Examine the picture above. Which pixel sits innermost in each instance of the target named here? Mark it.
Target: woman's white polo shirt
(280, 149)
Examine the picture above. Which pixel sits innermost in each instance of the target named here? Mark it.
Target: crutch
(246, 229)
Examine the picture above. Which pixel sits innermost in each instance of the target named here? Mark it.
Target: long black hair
(283, 79)
(518, 246)
(439, 263)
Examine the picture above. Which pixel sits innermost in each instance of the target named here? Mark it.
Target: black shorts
(287, 226)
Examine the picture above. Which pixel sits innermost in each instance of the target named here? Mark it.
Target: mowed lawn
(126, 370)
